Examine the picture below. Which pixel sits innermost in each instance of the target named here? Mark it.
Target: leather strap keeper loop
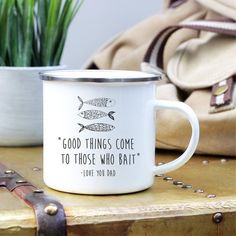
(49, 213)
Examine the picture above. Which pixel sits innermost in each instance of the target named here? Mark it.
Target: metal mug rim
(99, 76)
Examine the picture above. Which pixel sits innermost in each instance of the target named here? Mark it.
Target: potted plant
(33, 34)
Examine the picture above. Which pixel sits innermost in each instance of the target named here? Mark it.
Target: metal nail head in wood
(217, 217)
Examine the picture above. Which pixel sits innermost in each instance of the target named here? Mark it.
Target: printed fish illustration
(97, 102)
(96, 114)
(97, 127)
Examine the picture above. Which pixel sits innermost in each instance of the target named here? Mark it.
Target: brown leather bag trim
(49, 213)
(176, 3)
(227, 95)
(155, 51)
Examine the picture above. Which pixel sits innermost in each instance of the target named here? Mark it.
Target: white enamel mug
(99, 131)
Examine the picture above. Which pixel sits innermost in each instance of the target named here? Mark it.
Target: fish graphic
(97, 127)
(97, 102)
(96, 114)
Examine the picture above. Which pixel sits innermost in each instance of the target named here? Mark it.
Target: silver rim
(79, 76)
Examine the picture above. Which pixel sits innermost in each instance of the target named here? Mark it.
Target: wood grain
(162, 208)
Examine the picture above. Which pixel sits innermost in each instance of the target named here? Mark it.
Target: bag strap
(49, 212)
(153, 59)
(176, 3)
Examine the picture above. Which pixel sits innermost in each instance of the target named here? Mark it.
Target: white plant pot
(21, 122)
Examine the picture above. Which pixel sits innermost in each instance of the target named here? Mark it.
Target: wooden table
(164, 209)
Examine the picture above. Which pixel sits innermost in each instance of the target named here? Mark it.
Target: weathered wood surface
(164, 209)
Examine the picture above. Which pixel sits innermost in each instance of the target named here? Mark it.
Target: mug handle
(192, 118)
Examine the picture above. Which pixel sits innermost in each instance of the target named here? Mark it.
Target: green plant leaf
(40, 22)
(70, 8)
(28, 29)
(20, 7)
(5, 11)
(2, 62)
(50, 32)
(33, 32)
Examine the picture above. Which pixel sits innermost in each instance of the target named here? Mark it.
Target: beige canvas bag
(194, 44)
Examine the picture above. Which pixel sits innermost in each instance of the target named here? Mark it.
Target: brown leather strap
(176, 3)
(154, 54)
(223, 96)
(222, 92)
(155, 50)
(50, 215)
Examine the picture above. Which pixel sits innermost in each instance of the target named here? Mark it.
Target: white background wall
(98, 21)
